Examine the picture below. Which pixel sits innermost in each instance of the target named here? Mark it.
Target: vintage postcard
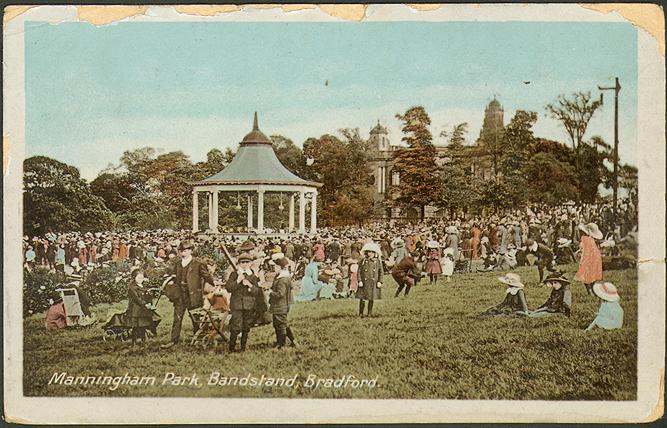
(334, 213)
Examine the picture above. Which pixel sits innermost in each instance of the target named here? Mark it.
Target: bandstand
(256, 171)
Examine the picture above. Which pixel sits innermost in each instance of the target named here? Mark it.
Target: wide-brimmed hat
(245, 257)
(606, 291)
(371, 246)
(592, 230)
(187, 244)
(247, 245)
(397, 242)
(276, 256)
(452, 229)
(433, 244)
(563, 242)
(556, 277)
(448, 251)
(511, 279)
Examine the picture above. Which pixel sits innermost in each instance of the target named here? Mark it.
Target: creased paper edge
(659, 410)
(103, 15)
(6, 142)
(647, 16)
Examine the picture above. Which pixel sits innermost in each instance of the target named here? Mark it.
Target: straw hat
(606, 291)
(371, 246)
(511, 279)
(432, 244)
(592, 230)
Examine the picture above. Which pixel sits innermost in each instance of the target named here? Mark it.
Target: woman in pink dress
(590, 264)
(354, 282)
(433, 267)
(318, 251)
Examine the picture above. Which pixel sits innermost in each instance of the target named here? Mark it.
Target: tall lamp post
(616, 88)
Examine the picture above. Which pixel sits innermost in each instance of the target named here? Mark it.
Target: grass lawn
(429, 345)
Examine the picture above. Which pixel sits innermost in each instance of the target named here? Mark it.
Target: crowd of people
(350, 262)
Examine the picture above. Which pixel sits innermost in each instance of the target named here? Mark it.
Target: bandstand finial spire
(255, 124)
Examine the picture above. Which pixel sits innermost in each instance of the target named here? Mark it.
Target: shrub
(38, 287)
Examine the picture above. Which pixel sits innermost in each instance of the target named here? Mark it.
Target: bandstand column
(302, 212)
(249, 213)
(214, 228)
(260, 211)
(313, 213)
(290, 226)
(195, 211)
(209, 202)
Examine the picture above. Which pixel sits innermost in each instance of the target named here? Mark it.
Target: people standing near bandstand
(370, 277)
(188, 291)
(280, 300)
(243, 284)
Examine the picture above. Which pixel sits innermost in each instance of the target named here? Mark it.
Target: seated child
(55, 315)
(560, 299)
(610, 314)
(329, 287)
(515, 299)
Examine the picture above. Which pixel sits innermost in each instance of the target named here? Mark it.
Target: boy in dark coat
(280, 300)
(244, 287)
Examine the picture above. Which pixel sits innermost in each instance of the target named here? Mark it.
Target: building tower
(493, 122)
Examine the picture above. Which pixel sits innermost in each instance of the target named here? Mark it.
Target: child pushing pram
(140, 317)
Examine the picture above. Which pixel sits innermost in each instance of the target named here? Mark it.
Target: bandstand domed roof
(256, 162)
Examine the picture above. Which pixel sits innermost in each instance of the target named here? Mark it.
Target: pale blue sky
(94, 92)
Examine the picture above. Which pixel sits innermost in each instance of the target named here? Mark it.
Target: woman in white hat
(447, 263)
(515, 299)
(370, 277)
(433, 267)
(590, 264)
(610, 314)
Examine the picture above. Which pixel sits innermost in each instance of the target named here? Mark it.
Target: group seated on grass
(559, 303)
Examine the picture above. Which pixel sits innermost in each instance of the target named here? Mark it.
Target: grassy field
(429, 345)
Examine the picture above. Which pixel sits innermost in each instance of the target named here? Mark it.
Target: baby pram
(212, 319)
(118, 326)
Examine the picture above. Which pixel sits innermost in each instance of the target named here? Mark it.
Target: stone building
(479, 156)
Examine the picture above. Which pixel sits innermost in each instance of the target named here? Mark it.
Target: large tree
(574, 114)
(460, 188)
(56, 198)
(291, 156)
(341, 165)
(420, 183)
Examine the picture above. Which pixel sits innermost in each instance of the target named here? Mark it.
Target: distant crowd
(351, 261)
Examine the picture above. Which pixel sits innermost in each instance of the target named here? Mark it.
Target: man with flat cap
(187, 293)
(243, 284)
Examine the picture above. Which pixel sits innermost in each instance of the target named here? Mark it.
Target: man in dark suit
(191, 275)
(243, 285)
